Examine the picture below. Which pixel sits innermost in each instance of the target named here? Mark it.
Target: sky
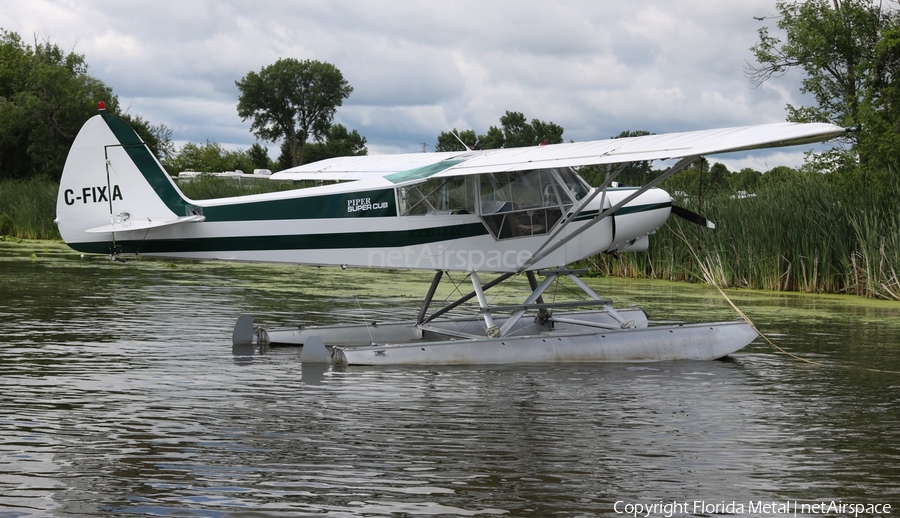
(417, 68)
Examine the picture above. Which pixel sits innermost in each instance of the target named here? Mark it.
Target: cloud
(419, 68)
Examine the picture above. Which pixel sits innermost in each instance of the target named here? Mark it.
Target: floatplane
(505, 212)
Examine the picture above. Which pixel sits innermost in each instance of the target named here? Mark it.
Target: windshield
(527, 203)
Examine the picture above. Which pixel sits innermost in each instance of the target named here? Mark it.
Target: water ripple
(126, 399)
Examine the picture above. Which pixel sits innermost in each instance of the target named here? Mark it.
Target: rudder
(112, 184)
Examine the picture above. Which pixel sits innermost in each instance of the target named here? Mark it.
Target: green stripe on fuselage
(590, 214)
(361, 204)
(642, 208)
(344, 240)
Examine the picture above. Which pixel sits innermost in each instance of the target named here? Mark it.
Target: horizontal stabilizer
(129, 225)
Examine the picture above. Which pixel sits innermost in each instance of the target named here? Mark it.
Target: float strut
(430, 295)
(534, 297)
(466, 298)
(532, 281)
(492, 330)
(625, 324)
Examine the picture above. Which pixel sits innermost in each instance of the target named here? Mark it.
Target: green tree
(744, 180)
(337, 142)
(158, 137)
(447, 141)
(285, 160)
(46, 95)
(294, 100)
(880, 109)
(849, 51)
(493, 139)
(781, 174)
(259, 156)
(700, 179)
(208, 158)
(717, 177)
(514, 131)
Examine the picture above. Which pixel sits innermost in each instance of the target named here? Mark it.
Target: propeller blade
(693, 217)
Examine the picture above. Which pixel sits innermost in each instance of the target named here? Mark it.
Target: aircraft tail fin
(112, 185)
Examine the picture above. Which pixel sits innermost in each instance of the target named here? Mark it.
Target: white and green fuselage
(115, 198)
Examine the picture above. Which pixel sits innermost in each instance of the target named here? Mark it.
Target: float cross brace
(533, 302)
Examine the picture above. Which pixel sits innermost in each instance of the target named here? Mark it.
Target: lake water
(122, 396)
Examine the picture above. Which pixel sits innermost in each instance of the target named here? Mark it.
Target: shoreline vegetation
(805, 235)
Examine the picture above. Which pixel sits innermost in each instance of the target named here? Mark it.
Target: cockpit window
(574, 182)
(527, 203)
(511, 204)
(453, 195)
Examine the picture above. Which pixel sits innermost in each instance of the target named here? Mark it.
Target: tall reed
(803, 235)
(875, 262)
(28, 208)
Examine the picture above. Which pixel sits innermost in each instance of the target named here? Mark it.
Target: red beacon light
(101, 106)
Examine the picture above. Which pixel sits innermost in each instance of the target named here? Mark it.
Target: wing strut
(579, 208)
(544, 251)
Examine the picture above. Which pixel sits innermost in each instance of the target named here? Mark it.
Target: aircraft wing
(649, 147)
(415, 166)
